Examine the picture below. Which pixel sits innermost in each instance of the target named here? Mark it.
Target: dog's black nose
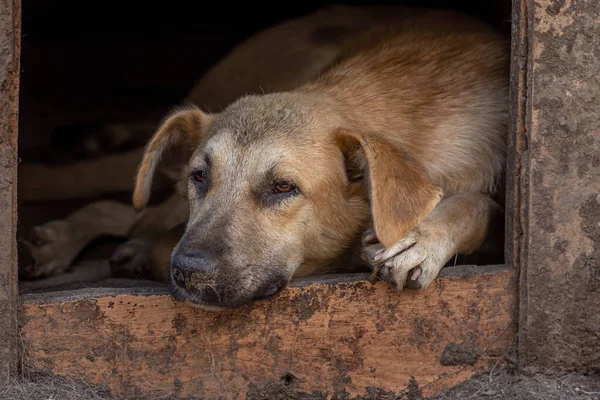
(190, 268)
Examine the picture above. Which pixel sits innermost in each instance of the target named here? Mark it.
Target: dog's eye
(283, 187)
(199, 176)
(280, 191)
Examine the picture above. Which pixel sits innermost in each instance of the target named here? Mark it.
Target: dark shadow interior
(86, 64)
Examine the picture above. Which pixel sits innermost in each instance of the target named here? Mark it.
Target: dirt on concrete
(496, 386)
(520, 387)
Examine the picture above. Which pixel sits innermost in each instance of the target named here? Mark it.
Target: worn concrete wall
(558, 228)
(9, 89)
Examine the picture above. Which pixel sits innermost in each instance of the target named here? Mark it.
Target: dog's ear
(400, 191)
(170, 149)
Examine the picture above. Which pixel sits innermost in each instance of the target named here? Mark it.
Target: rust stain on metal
(353, 338)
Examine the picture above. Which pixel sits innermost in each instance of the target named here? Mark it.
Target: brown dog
(400, 127)
(272, 60)
(407, 131)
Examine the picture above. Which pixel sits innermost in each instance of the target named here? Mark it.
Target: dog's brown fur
(382, 116)
(272, 60)
(407, 128)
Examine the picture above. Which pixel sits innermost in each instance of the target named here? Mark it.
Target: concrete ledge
(336, 335)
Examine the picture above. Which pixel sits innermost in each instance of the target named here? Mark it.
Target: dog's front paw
(130, 260)
(414, 261)
(53, 247)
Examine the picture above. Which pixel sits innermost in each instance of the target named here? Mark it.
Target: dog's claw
(412, 263)
(416, 274)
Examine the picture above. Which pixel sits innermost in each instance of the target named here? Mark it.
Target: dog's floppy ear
(173, 144)
(400, 191)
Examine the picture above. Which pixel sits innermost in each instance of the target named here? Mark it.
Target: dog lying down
(384, 145)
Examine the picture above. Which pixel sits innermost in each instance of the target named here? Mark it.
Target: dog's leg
(133, 258)
(112, 173)
(56, 244)
(457, 225)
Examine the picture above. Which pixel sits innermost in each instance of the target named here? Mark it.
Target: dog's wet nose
(190, 269)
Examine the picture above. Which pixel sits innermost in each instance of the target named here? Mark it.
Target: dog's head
(276, 187)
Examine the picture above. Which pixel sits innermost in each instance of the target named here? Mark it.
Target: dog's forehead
(258, 157)
(271, 117)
